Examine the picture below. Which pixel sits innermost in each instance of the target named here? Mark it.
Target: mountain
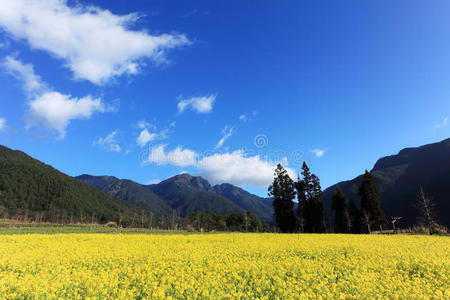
(185, 194)
(262, 207)
(130, 191)
(32, 188)
(399, 177)
(188, 194)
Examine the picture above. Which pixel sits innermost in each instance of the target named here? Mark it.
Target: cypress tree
(373, 216)
(355, 217)
(301, 204)
(341, 214)
(310, 210)
(283, 192)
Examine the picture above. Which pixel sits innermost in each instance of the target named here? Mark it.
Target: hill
(130, 191)
(31, 188)
(185, 194)
(262, 207)
(399, 177)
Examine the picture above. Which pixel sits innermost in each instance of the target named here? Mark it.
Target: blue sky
(224, 89)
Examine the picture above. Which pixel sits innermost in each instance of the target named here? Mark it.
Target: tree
(341, 216)
(310, 213)
(370, 203)
(301, 203)
(426, 206)
(355, 217)
(283, 192)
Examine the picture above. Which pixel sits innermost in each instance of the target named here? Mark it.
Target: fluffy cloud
(238, 169)
(227, 132)
(201, 105)
(178, 157)
(32, 83)
(2, 124)
(49, 108)
(318, 152)
(94, 43)
(109, 142)
(234, 167)
(144, 137)
(55, 110)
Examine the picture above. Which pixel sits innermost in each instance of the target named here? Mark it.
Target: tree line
(307, 214)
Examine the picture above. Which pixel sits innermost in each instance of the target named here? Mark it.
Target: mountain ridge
(185, 194)
(399, 177)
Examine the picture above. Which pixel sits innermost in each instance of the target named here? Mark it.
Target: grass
(16, 227)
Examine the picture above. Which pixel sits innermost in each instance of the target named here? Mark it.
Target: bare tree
(426, 206)
(132, 222)
(151, 220)
(367, 221)
(142, 218)
(348, 220)
(246, 220)
(393, 221)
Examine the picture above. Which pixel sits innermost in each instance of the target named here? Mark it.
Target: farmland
(267, 266)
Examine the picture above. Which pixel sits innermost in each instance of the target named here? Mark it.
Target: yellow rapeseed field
(224, 266)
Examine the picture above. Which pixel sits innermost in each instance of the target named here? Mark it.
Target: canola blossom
(224, 266)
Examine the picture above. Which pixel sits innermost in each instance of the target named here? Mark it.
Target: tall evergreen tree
(373, 216)
(301, 203)
(340, 212)
(310, 210)
(355, 217)
(283, 192)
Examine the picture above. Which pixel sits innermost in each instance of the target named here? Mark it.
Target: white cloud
(55, 110)
(318, 152)
(49, 108)
(178, 157)
(237, 169)
(234, 167)
(2, 124)
(109, 142)
(443, 124)
(142, 124)
(145, 136)
(32, 83)
(201, 105)
(227, 132)
(94, 43)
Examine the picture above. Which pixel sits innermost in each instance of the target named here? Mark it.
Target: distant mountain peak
(189, 180)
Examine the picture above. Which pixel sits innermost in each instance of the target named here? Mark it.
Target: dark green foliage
(234, 222)
(341, 214)
(373, 216)
(38, 192)
(355, 217)
(310, 212)
(283, 193)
